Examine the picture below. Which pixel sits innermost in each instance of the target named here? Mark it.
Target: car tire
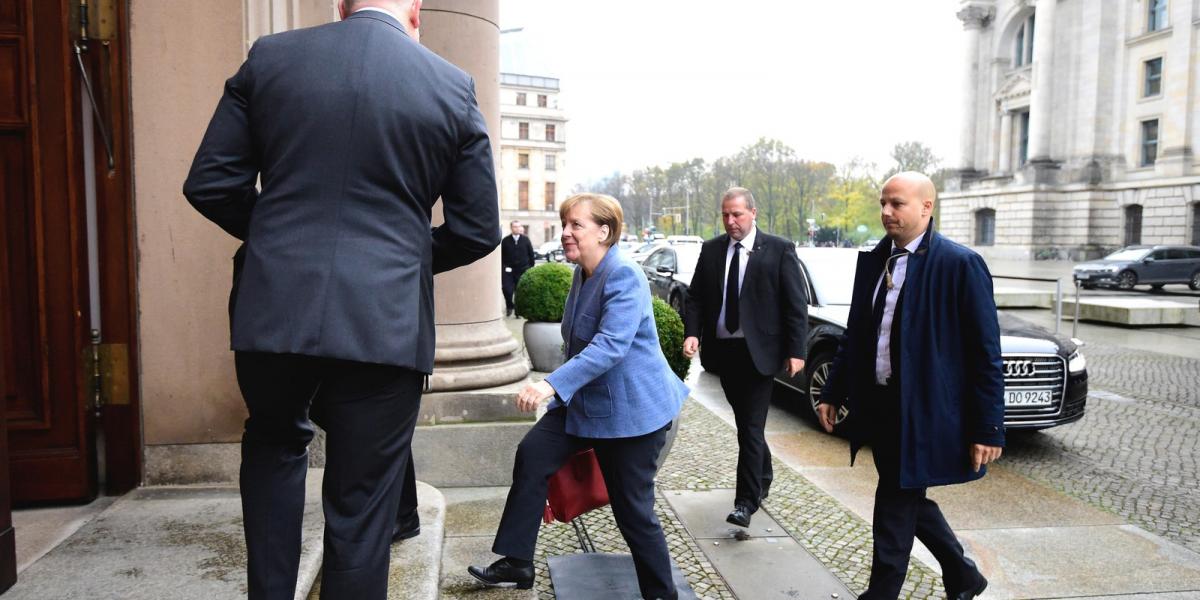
(1195, 282)
(816, 372)
(1126, 280)
(676, 302)
(1088, 286)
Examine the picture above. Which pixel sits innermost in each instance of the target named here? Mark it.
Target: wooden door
(43, 291)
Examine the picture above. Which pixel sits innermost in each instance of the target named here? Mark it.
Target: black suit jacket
(354, 131)
(774, 305)
(516, 255)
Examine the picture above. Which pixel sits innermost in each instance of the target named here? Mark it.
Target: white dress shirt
(883, 345)
(743, 261)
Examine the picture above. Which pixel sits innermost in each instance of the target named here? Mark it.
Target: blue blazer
(616, 382)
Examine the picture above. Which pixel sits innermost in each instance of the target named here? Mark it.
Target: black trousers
(628, 466)
(508, 284)
(749, 393)
(902, 514)
(368, 413)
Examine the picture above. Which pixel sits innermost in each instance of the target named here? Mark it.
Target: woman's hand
(529, 398)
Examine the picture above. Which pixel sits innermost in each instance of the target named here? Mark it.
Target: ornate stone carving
(974, 16)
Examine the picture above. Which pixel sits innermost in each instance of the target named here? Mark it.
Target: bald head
(920, 183)
(906, 203)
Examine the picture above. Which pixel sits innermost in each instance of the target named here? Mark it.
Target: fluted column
(974, 18)
(474, 347)
(1004, 164)
(1041, 97)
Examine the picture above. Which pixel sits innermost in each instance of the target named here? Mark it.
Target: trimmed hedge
(542, 292)
(670, 337)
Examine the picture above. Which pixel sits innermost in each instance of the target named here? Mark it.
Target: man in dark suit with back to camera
(355, 130)
(920, 373)
(516, 256)
(746, 305)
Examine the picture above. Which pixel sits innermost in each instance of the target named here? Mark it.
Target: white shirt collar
(911, 246)
(382, 10)
(748, 241)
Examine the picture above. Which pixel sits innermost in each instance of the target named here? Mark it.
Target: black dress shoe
(504, 573)
(406, 527)
(971, 593)
(740, 516)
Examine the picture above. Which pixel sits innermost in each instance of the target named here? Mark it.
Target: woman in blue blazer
(615, 394)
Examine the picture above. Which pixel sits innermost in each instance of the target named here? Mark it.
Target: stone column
(1004, 165)
(974, 18)
(1176, 126)
(1041, 98)
(474, 347)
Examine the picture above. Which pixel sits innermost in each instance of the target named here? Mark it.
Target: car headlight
(1077, 363)
(1114, 269)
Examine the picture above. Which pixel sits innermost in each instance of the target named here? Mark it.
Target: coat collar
(379, 15)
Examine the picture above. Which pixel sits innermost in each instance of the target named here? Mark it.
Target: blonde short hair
(605, 210)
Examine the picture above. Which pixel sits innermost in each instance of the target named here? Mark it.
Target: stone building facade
(1079, 129)
(533, 154)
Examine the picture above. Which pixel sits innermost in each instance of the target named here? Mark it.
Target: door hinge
(107, 371)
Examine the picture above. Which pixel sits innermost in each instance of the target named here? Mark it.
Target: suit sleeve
(528, 251)
(984, 401)
(835, 390)
(624, 298)
(697, 292)
(221, 183)
(793, 304)
(470, 206)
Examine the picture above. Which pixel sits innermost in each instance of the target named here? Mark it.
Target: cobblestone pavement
(705, 457)
(1135, 451)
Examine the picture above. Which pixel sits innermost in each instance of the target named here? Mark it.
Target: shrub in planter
(542, 292)
(670, 337)
(540, 298)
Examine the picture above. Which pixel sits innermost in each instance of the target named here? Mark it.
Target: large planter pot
(544, 342)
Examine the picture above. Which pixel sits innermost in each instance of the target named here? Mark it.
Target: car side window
(1159, 255)
(1193, 254)
(669, 260)
(1175, 254)
(808, 288)
(652, 260)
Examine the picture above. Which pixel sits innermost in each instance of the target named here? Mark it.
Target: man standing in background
(516, 257)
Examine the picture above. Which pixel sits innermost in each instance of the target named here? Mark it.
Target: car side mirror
(1148, 259)
(665, 271)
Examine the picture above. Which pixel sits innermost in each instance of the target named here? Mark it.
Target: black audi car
(1045, 375)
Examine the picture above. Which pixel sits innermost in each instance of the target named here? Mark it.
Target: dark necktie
(732, 316)
(881, 295)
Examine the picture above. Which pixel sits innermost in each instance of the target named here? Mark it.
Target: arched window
(1023, 43)
(1133, 224)
(985, 227)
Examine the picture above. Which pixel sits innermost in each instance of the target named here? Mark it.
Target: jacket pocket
(584, 327)
(597, 401)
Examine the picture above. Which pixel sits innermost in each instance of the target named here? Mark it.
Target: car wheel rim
(1127, 280)
(1196, 281)
(816, 383)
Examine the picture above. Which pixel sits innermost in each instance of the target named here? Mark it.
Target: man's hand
(529, 398)
(827, 416)
(690, 346)
(982, 455)
(794, 365)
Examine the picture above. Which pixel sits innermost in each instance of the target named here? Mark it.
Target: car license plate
(1082, 276)
(1027, 398)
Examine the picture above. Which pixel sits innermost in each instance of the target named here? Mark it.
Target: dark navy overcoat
(951, 373)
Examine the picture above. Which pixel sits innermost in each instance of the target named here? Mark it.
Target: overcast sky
(655, 81)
